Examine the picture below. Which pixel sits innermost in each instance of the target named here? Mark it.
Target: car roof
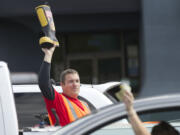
(103, 87)
(117, 111)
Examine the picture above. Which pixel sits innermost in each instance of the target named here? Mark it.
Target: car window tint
(28, 105)
(172, 115)
(115, 128)
(166, 114)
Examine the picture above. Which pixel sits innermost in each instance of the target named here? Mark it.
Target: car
(106, 121)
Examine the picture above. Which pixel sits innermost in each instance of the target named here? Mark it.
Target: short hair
(164, 128)
(65, 72)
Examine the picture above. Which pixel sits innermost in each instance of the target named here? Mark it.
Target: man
(163, 128)
(63, 108)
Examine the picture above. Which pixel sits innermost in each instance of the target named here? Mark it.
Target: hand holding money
(122, 88)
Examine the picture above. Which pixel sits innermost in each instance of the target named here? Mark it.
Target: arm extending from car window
(134, 119)
(137, 124)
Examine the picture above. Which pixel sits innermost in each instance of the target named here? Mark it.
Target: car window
(31, 105)
(111, 93)
(166, 114)
(115, 128)
(118, 127)
(28, 105)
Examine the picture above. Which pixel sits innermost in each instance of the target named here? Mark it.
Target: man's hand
(48, 54)
(128, 99)
(48, 51)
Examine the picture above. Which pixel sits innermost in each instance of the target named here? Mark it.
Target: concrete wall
(19, 47)
(160, 48)
(19, 35)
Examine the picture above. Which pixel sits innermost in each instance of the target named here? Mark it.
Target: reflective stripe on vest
(84, 104)
(74, 112)
(50, 120)
(56, 122)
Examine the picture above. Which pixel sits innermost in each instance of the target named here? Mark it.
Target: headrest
(24, 78)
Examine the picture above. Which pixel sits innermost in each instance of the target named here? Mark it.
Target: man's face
(71, 85)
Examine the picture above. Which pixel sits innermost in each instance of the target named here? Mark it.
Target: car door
(107, 120)
(150, 118)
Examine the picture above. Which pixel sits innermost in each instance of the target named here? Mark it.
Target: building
(104, 40)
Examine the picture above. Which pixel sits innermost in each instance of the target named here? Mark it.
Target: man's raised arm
(44, 74)
(134, 119)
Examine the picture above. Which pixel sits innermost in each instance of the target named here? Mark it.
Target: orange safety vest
(73, 111)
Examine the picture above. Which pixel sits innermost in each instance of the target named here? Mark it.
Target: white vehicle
(8, 117)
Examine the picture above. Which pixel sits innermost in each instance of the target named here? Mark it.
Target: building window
(103, 57)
